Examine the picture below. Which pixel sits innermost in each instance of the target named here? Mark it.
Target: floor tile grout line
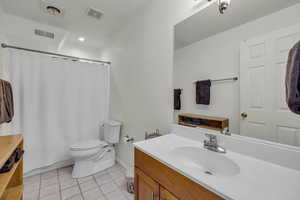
(40, 185)
(119, 187)
(81, 193)
(112, 179)
(59, 185)
(100, 188)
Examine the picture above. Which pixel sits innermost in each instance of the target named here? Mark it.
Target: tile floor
(59, 185)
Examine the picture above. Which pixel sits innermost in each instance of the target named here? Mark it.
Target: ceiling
(75, 20)
(209, 22)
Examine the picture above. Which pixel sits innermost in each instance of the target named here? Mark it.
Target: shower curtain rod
(3, 45)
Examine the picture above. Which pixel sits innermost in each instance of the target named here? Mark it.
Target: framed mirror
(244, 54)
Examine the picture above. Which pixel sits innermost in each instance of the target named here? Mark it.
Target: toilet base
(90, 166)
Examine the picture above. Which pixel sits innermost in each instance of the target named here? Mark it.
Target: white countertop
(257, 179)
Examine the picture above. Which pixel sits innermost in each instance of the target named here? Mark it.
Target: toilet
(93, 156)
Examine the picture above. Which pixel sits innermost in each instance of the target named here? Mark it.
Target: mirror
(251, 41)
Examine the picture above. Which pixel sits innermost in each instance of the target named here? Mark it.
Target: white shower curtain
(57, 102)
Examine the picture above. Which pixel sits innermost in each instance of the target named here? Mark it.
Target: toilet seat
(88, 145)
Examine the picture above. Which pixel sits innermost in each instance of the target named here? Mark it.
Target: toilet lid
(87, 145)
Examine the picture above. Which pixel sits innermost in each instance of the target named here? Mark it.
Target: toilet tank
(112, 131)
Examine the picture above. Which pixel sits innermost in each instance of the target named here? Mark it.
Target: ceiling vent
(44, 33)
(91, 12)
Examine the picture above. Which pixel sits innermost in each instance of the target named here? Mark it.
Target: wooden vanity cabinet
(166, 195)
(156, 181)
(146, 188)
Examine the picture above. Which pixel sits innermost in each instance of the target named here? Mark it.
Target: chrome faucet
(212, 144)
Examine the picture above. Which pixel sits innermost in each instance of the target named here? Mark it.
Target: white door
(264, 113)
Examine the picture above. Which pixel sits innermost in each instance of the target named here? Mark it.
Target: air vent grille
(94, 13)
(44, 33)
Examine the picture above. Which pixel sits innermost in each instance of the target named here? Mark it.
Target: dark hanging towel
(177, 99)
(6, 102)
(203, 92)
(292, 81)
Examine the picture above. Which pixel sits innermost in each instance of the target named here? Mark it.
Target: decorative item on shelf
(14, 158)
(8, 165)
(201, 121)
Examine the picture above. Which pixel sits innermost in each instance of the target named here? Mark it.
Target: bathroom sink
(204, 161)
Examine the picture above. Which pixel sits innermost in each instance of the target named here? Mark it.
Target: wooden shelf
(8, 144)
(201, 121)
(14, 193)
(11, 182)
(6, 177)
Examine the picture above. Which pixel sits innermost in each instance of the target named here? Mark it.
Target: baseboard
(68, 163)
(49, 168)
(122, 163)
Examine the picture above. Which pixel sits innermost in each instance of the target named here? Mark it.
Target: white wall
(20, 31)
(218, 57)
(142, 68)
(142, 57)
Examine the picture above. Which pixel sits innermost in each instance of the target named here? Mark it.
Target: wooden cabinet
(166, 195)
(156, 181)
(11, 183)
(146, 188)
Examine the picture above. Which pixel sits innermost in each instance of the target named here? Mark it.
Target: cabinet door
(166, 195)
(145, 187)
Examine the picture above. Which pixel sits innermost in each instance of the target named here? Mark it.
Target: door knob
(244, 115)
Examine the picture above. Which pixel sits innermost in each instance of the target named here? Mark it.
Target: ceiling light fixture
(223, 5)
(81, 39)
(53, 11)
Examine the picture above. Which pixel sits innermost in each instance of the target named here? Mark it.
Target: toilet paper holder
(128, 139)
